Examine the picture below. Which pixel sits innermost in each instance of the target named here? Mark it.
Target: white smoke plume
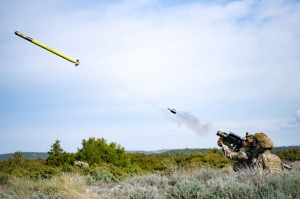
(193, 123)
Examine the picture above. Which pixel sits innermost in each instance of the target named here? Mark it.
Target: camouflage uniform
(268, 162)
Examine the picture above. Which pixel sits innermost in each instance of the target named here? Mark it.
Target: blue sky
(223, 65)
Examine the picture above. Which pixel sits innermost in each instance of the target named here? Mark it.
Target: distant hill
(30, 155)
(35, 155)
(282, 148)
(188, 151)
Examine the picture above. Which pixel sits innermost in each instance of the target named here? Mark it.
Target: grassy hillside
(183, 183)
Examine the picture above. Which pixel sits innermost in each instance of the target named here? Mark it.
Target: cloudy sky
(223, 65)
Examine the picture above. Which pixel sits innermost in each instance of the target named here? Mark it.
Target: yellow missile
(47, 48)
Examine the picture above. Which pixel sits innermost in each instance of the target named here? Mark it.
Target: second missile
(47, 48)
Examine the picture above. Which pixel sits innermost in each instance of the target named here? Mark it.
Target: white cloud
(297, 116)
(292, 124)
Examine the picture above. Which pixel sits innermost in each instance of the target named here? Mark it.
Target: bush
(140, 187)
(137, 193)
(96, 151)
(4, 196)
(290, 154)
(153, 180)
(3, 178)
(205, 183)
(102, 174)
(58, 157)
(46, 196)
(81, 164)
(185, 189)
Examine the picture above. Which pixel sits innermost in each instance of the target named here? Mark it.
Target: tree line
(109, 161)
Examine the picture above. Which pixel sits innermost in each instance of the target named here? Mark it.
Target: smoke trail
(136, 96)
(193, 123)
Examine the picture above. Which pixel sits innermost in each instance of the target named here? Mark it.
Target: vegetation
(291, 155)
(187, 151)
(185, 183)
(209, 183)
(58, 157)
(99, 169)
(98, 151)
(35, 155)
(282, 148)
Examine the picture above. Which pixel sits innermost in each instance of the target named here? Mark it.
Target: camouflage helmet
(259, 136)
(249, 137)
(267, 143)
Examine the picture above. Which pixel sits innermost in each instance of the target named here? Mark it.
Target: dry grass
(68, 185)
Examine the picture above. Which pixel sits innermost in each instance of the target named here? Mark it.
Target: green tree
(290, 154)
(57, 156)
(16, 161)
(18, 155)
(95, 151)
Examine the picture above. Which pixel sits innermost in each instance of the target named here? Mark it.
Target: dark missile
(173, 110)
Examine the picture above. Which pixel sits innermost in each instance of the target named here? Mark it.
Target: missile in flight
(173, 110)
(47, 48)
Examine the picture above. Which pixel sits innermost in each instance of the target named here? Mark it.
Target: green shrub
(44, 172)
(290, 154)
(57, 156)
(102, 174)
(3, 178)
(95, 151)
(185, 189)
(144, 186)
(89, 180)
(137, 193)
(46, 196)
(4, 196)
(153, 180)
(205, 183)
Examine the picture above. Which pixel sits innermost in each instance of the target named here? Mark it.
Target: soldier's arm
(234, 155)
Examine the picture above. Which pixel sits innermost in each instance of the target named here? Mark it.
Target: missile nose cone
(23, 36)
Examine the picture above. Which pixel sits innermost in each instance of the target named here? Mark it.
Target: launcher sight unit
(231, 140)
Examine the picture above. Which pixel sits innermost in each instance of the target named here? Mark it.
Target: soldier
(244, 158)
(268, 162)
